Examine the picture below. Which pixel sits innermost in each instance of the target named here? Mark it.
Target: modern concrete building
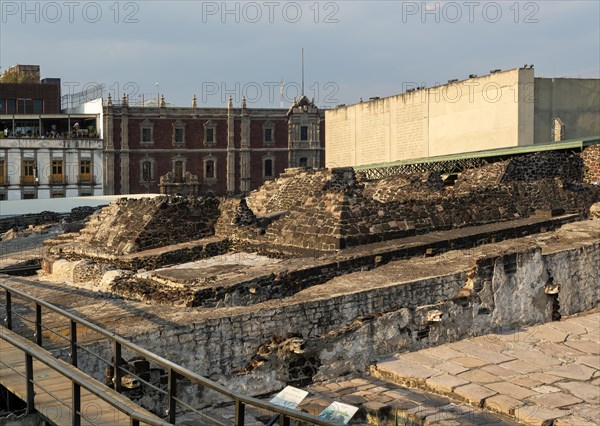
(499, 110)
(45, 153)
(173, 150)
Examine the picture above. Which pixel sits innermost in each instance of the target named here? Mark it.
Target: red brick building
(198, 150)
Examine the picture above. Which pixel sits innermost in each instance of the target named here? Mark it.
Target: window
(29, 195)
(210, 133)
(2, 196)
(147, 171)
(28, 175)
(269, 132)
(146, 135)
(22, 106)
(178, 171)
(38, 106)
(2, 171)
(178, 133)
(85, 171)
(303, 133)
(268, 168)
(57, 171)
(11, 106)
(59, 194)
(303, 162)
(209, 169)
(146, 132)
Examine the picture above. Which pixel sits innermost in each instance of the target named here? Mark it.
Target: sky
(352, 49)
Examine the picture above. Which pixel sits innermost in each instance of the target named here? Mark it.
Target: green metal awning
(574, 144)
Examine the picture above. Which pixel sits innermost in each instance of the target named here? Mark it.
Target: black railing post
(172, 394)
(240, 412)
(284, 420)
(38, 324)
(29, 384)
(73, 343)
(76, 399)
(117, 366)
(8, 318)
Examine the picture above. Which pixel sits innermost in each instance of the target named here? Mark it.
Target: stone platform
(542, 375)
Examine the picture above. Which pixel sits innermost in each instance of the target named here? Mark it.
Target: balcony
(29, 180)
(57, 180)
(86, 179)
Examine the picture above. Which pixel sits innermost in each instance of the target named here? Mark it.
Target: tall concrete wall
(488, 112)
(575, 101)
(500, 110)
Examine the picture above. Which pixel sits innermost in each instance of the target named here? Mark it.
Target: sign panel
(339, 412)
(290, 397)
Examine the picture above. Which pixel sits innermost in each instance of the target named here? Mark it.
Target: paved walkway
(541, 375)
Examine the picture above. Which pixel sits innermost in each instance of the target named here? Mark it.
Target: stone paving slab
(542, 375)
(390, 404)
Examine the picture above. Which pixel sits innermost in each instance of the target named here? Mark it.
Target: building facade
(45, 153)
(174, 150)
(499, 110)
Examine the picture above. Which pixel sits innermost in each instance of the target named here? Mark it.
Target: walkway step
(383, 403)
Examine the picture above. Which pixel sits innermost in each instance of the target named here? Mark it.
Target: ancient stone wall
(133, 225)
(489, 175)
(402, 187)
(591, 161)
(332, 210)
(180, 220)
(345, 332)
(543, 165)
(22, 221)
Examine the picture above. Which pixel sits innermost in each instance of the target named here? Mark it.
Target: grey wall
(575, 101)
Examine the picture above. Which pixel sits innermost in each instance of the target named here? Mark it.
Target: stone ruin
(277, 283)
(304, 214)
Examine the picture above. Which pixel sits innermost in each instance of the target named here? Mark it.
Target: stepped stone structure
(129, 227)
(305, 214)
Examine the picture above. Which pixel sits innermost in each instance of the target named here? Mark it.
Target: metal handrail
(120, 342)
(76, 377)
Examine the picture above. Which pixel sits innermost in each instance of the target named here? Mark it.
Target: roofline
(579, 144)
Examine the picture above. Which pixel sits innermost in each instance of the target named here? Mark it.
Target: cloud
(366, 48)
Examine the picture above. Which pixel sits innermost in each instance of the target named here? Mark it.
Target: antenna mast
(303, 71)
(281, 85)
